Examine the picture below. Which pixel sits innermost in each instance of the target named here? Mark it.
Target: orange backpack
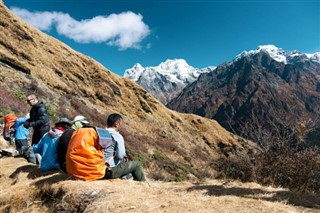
(84, 158)
(9, 121)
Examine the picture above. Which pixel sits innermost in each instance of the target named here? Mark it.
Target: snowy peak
(135, 72)
(280, 55)
(276, 53)
(176, 65)
(314, 57)
(167, 79)
(176, 70)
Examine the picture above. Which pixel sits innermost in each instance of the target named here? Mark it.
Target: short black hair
(113, 119)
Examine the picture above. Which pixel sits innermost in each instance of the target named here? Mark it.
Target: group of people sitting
(84, 152)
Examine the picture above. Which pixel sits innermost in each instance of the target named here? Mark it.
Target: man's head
(114, 121)
(32, 100)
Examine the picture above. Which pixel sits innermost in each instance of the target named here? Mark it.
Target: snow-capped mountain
(269, 82)
(167, 79)
(280, 55)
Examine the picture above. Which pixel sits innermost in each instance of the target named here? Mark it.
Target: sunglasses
(29, 100)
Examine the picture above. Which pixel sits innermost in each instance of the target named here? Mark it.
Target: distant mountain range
(167, 79)
(268, 85)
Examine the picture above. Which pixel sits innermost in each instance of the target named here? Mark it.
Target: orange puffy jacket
(84, 159)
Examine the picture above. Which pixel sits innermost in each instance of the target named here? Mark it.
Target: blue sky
(120, 33)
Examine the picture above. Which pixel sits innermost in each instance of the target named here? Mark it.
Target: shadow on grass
(32, 170)
(57, 177)
(304, 199)
(35, 172)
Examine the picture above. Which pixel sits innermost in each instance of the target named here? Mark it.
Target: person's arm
(17, 123)
(121, 151)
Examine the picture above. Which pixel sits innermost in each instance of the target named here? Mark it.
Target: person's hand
(26, 124)
(129, 158)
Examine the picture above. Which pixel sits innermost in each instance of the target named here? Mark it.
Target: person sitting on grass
(47, 146)
(115, 155)
(78, 122)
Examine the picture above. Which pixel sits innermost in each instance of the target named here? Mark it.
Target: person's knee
(139, 167)
(138, 172)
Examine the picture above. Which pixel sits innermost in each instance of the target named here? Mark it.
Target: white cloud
(124, 30)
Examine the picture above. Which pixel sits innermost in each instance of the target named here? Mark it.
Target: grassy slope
(25, 188)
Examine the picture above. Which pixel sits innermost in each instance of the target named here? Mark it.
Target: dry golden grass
(25, 189)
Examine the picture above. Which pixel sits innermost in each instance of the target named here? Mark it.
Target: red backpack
(9, 121)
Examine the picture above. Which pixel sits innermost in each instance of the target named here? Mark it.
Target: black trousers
(37, 135)
(22, 146)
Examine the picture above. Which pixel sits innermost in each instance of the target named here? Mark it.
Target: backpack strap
(105, 139)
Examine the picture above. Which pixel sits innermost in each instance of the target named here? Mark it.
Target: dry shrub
(285, 159)
(290, 167)
(76, 203)
(289, 159)
(10, 104)
(59, 200)
(235, 168)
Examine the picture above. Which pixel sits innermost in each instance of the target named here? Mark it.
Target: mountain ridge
(281, 55)
(164, 81)
(258, 85)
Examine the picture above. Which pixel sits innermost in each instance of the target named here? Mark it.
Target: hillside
(25, 189)
(171, 146)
